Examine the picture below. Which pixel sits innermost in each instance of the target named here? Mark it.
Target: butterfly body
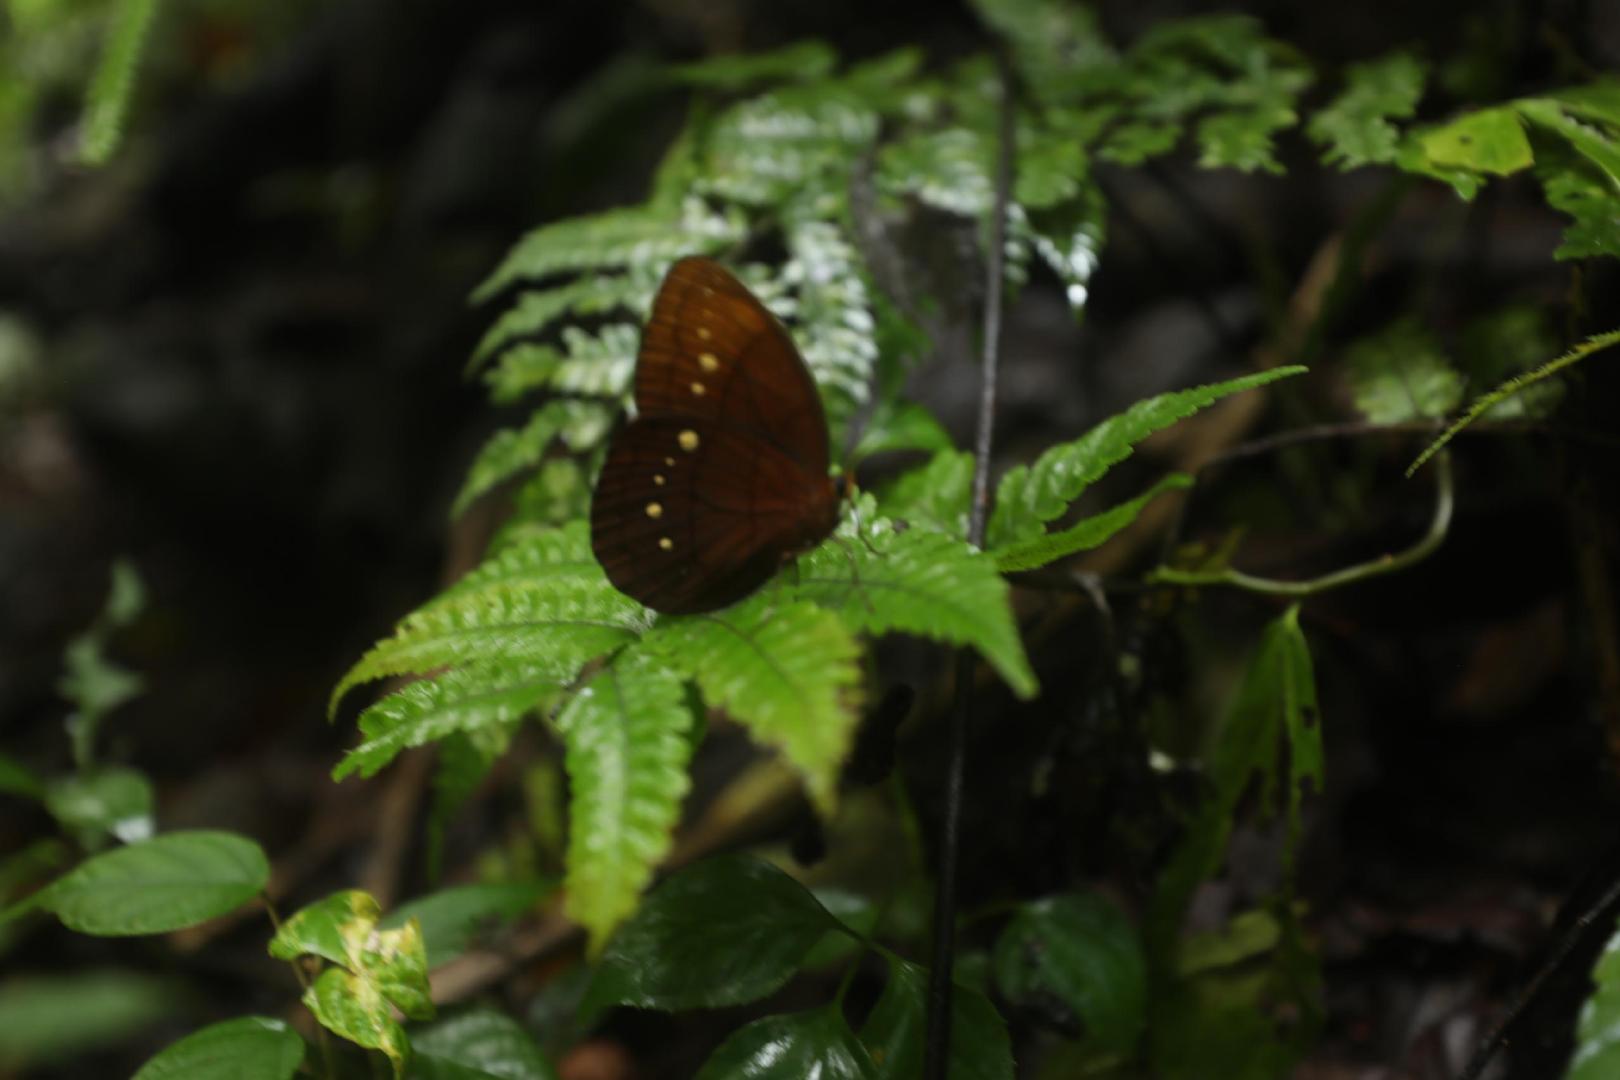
(722, 475)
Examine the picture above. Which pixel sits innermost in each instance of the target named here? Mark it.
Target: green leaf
(1509, 341)
(1594, 205)
(109, 801)
(1593, 344)
(949, 169)
(113, 86)
(788, 672)
(625, 735)
(1069, 239)
(1355, 126)
(477, 698)
(1081, 951)
(1058, 48)
(935, 496)
(45, 1018)
(1412, 157)
(1401, 374)
(94, 684)
(896, 426)
(893, 1032)
(594, 294)
(833, 321)
(1084, 534)
(375, 971)
(797, 142)
(631, 236)
(724, 931)
(451, 920)
(167, 883)
(1489, 140)
(1030, 496)
(17, 779)
(464, 759)
(1274, 711)
(127, 596)
(815, 1044)
(247, 1048)
(580, 424)
(541, 601)
(1216, 1027)
(1597, 1033)
(1242, 138)
(917, 582)
(803, 61)
(1137, 141)
(1596, 146)
(480, 1044)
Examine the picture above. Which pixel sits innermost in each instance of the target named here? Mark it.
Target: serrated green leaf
(894, 1030)
(1596, 146)
(917, 582)
(1069, 239)
(796, 142)
(536, 309)
(1596, 209)
(480, 1044)
(1413, 158)
(1136, 141)
(1242, 138)
(452, 919)
(724, 931)
(127, 595)
(247, 1048)
(1401, 374)
(632, 236)
(949, 169)
(1084, 534)
(624, 734)
(1511, 341)
(1597, 1032)
(1030, 496)
(166, 883)
(788, 672)
(534, 602)
(45, 1018)
(478, 697)
(579, 423)
(809, 1044)
(108, 801)
(112, 88)
(803, 61)
(1355, 126)
(1489, 140)
(1081, 951)
(1058, 48)
(833, 321)
(94, 684)
(934, 496)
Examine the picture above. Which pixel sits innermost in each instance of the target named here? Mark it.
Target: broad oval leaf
(815, 1044)
(894, 1031)
(451, 919)
(1082, 951)
(247, 1048)
(481, 1044)
(50, 1017)
(724, 931)
(167, 883)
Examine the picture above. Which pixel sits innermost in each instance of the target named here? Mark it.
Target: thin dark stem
(1566, 945)
(936, 1047)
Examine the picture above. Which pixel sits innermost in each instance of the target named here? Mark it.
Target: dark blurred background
(244, 343)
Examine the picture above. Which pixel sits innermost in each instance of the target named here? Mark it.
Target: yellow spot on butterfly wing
(698, 389)
(709, 362)
(655, 510)
(688, 440)
(666, 543)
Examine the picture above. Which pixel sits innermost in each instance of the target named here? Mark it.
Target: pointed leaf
(354, 1008)
(788, 672)
(1597, 1034)
(109, 801)
(535, 310)
(480, 1044)
(934, 496)
(815, 1044)
(918, 582)
(625, 734)
(1355, 126)
(1085, 534)
(894, 1031)
(168, 883)
(1028, 497)
(901, 426)
(725, 931)
(1401, 374)
(247, 1048)
(46, 1018)
(511, 451)
(452, 919)
(1489, 140)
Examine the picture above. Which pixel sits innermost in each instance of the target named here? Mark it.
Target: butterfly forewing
(712, 351)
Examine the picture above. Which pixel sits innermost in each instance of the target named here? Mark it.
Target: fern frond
(593, 294)
(1030, 496)
(917, 582)
(631, 236)
(580, 424)
(934, 496)
(557, 611)
(464, 759)
(478, 697)
(626, 750)
(1401, 373)
(803, 61)
(596, 365)
(113, 86)
(833, 315)
(1083, 535)
(788, 672)
(795, 142)
(1355, 127)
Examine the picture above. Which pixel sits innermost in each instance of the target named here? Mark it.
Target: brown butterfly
(722, 475)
